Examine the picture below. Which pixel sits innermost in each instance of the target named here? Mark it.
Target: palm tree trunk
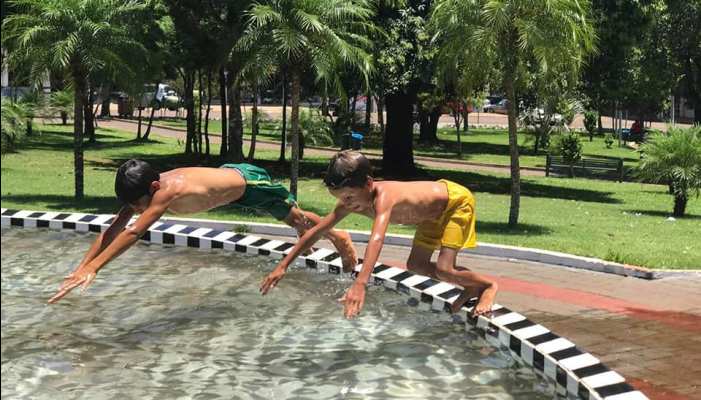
(138, 126)
(513, 149)
(368, 110)
(380, 113)
(294, 120)
(398, 146)
(150, 123)
(189, 84)
(254, 124)
(209, 107)
(89, 125)
(235, 124)
(223, 151)
(284, 118)
(80, 83)
(680, 205)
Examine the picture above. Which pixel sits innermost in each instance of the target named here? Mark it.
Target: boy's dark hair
(134, 180)
(347, 168)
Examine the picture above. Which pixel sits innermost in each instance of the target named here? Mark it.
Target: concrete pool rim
(573, 371)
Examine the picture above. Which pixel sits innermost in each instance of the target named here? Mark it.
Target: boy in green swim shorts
(443, 211)
(144, 191)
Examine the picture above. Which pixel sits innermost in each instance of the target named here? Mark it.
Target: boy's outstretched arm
(304, 243)
(355, 296)
(104, 251)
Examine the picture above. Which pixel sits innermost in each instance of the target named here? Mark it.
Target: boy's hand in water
(272, 279)
(83, 275)
(353, 300)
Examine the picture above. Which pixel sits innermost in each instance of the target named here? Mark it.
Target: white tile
(441, 287)
(554, 345)
(175, 229)
(5, 221)
(199, 232)
(636, 395)
(508, 318)
(529, 332)
(579, 361)
(22, 214)
(74, 217)
(389, 272)
(414, 280)
(319, 254)
(248, 240)
(602, 379)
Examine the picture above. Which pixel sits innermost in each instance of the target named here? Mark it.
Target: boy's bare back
(196, 189)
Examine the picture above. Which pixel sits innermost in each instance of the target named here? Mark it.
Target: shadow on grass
(90, 204)
(664, 214)
(503, 228)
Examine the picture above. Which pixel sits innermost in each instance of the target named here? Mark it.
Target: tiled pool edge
(574, 372)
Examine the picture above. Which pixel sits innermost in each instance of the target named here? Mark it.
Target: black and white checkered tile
(574, 372)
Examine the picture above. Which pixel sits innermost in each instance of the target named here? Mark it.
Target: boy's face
(140, 205)
(356, 199)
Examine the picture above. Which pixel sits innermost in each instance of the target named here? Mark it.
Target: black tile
(42, 223)
(36, 214)
(239, 248)
(582, 391)
(10, 211)
(260, 242)
(426, 298)
(162, 227)
(612, 390)
(217, 244)
(187, 229)
(87, 218)
(450, 293)
(264, 252)
(561, 376)
(310, 263)
(212, 233)
(333, 269)
(519, 325)
(538, 360)
(17, 221)
(330, 257)
(492, 330)
(61, 216)
(545, 337)
(236, 238)
(68, 225)
(109, 221)
(283, 247)
(515, 345)
(95, 228)
(401, 276)
(501, 311)
(168, 238)
(193, 241)
(590, 370)
(379, 268)
(146, 236)
(566, 353)
(426, 284)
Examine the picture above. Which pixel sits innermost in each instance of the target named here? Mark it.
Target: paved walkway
(648, 331)
(131, 126)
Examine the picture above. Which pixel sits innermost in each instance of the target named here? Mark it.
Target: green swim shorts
(261, 193)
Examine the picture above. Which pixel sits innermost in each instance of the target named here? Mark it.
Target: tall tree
(684, 40)
(75, 36)
(557, 34)
(320, 35)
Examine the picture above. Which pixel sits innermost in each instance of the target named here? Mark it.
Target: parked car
(499, 108)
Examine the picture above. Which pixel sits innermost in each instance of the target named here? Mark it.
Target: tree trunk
(209, 107)
(680, 204)
(150, 123)
(138, 125)
(368, 111)
(513, 150)
(224, 150)
(189, 85)
(456, 119)
(465, 113)
(600, 127)
(397, 149)
(105, 106)
(380, 113)
(294, 120)
(78, 111)
(199, 110)
(284, 118)
(64, 118)
(235, 124)
(89, 124)
(254, 124)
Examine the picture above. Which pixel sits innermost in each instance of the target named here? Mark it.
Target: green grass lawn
(481, 145)
(624, 222)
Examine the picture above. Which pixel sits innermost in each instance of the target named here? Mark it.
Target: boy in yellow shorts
(443, 211)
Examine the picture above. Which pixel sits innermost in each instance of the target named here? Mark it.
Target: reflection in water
(183, 323)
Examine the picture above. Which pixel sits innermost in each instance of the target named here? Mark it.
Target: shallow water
(188, 324)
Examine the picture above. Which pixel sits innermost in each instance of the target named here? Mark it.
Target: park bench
(590, 167)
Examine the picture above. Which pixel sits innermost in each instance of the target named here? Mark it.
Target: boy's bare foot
(485, 303)
(345, 248)
(466, 295)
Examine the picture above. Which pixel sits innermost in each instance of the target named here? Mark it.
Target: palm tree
(675, 159)
(555, 36)
(320, 35)
(79, 37)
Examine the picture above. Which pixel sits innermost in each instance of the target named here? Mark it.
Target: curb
(572, 371)
(483, 249)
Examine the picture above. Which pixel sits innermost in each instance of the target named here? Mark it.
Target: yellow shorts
(455, 228)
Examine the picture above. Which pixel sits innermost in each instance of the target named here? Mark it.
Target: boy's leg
(474, 284)
(302, 221)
